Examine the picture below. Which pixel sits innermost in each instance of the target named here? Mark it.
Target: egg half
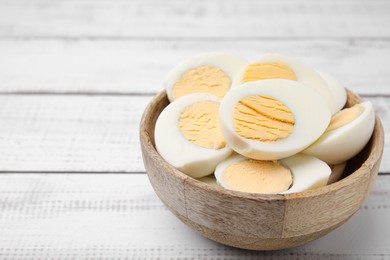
(293, 174)
(240, 173)
(272, 119)
(275, 66)
(348, 132)
(211, 73)
(188, 136)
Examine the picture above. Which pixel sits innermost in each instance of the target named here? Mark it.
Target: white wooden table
(75, 77)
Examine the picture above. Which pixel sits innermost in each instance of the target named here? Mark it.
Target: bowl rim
(372, 159)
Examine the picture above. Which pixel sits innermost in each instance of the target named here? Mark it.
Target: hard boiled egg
(339, 94)
(293, 174)
(246, 175)
(272, 119)
(187, 135)
(210, 73)
(348, 132)
(275, 66)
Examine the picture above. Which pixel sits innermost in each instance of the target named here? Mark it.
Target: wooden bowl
(257, 221)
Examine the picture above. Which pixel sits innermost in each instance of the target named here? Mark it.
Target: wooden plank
(92, 66)
(189, 19)
(84, 216)
(89, 133)
(76, 133)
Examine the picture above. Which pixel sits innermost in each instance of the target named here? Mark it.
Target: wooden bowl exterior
(256, 221)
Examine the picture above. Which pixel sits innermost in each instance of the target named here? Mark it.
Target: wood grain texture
(70, 133)
(188, 19)
(116, 216)
(90, 133)
(140, 66)
(260, 221)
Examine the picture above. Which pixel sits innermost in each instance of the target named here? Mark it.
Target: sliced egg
(275, 66)
(246, 175)
(210, 73)
(337, 172)
(188, 136)
(308, 172)
(347, 134)
(339, 94)
(293, 174)
(272, 119)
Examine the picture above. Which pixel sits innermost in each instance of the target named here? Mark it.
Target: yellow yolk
(260, 71)
(204, 79)
(257, 176)
(344, 117)
(263, 119)
(199, 124)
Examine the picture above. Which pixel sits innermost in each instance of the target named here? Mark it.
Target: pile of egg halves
(274, 125)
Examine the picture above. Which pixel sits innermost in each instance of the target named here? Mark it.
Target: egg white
(304, 73)
(228, 63)
(343, 143)
(339, 94)
(193, 160)
(310, 110)
(308, 172)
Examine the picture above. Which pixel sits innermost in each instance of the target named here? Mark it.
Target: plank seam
(73, 93)
(71, 172)
(101, 172)
(126, 94)
(186, 38)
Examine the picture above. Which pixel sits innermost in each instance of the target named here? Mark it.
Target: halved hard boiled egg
(272, 119)
(275, 66)
(347, 134)
(211, 73)
(240, 173)
(188, 136)
(339, 94)
(293, 174)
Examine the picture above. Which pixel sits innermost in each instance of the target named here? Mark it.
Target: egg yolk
(260, 71)
(257, 176)
(263, 119)
(204, 79)
(344, 117)
(199, 123)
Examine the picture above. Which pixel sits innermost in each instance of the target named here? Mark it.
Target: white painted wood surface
(71, 133)
(75, 77)
(117, 216)
(139, 66)
(189, 19)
